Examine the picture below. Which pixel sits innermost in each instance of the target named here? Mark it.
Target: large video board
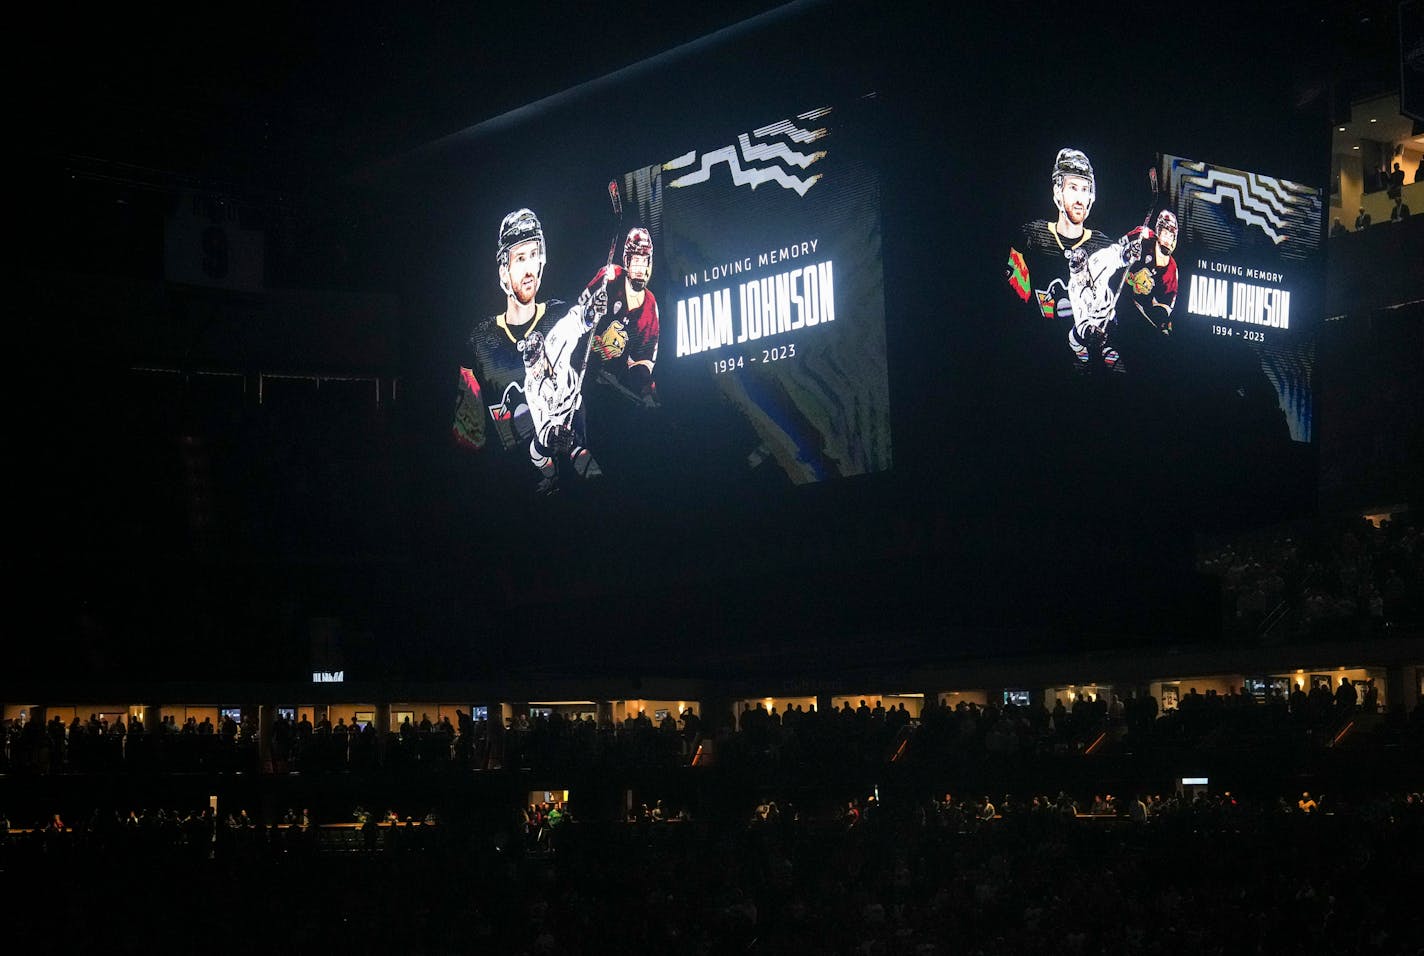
(681, 310)
(1219, 280)
(736, 322)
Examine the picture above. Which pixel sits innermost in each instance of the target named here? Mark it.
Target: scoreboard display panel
(793, 298)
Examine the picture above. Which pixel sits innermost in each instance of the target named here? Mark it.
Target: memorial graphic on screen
(1252, 276)
(1089, 283)
(1220, 261)
(736, 323)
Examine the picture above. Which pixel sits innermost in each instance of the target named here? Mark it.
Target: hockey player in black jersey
(492, 392)
(1137, 269)
(1039, 265)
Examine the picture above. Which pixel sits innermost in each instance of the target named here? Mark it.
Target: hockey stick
(1146, 223)
(617, 202)
(1097, 327)
(604, 377)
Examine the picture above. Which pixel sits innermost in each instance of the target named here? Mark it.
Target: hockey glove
(594, 303)
(560, 441)
(1130, 249)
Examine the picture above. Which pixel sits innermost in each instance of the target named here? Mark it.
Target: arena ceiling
(287, 96)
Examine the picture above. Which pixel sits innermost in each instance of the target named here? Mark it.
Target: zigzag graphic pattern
(1287, 213)
(753, 164)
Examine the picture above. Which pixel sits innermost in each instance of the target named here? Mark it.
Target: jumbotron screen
(713, 309)
(665, 323)
(1215, 288)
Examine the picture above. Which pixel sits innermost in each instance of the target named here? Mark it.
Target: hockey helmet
(517, 227)
(1167, 222)
(1072, 162)
(638, 243)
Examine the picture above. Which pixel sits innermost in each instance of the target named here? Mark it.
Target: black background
(1017, 492)
(1063, 514)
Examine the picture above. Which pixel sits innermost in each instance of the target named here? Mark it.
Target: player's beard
(638, 284)
(526, 290)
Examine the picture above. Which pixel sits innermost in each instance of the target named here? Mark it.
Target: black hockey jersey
(1037, 269)
(491, 389)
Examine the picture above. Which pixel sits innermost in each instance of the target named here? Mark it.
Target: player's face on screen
(1077, 197)
(526, 262)
(1167, 240)
(638, 268)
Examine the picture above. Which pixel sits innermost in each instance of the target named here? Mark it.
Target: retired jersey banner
(206, 244)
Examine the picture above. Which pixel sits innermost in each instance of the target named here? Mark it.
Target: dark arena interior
(747, 478)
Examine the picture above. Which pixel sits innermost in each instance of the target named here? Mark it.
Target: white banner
(204, 244)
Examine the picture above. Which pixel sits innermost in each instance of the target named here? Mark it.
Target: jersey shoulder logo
(1017, 273)
(1046, 303)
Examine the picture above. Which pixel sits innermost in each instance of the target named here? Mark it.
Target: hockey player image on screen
(492, 387)
(1038, 266)
(625, 341)
(1093, 287)
(554, 365)
(1139, 268)
(1151, 283)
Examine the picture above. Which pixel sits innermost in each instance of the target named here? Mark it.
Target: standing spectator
(1345, 696)
(1371, 699)
(1395, 182)
(852, 814)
